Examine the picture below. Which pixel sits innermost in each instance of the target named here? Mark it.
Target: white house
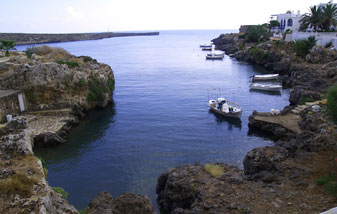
(288, 21)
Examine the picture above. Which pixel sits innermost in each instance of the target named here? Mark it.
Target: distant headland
(36, 38)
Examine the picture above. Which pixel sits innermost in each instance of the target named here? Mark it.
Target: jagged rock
(263, 163)
(127, 203)
(47, 139)
(319, 55)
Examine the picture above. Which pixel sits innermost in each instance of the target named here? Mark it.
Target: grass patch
(17, 184)
(306, 100)
(324, 179)
(96, 90)
(69, 63)
(215, 170)
(332, 102)
(61, 191)
(111, 84)
(44, 166)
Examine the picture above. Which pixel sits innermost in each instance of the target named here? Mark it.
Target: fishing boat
(265, 77)
(215, 54)
(222, 107)
(264, 87)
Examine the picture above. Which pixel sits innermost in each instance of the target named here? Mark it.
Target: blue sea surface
(159, 119)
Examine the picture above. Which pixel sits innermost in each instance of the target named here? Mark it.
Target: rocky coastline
(59, 89)
(39, 38)
(274, 179)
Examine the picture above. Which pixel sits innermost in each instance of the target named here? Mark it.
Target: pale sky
(76, 16)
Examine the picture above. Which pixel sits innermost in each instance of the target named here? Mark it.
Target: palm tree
(312, 19)
(328, 19)
(7, 45)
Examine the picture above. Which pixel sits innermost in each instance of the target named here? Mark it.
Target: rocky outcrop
(55, 79)
(38, 38)
(275, 179)
(23, 185)
(127, 203)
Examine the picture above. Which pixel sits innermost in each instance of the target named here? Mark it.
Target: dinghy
(265, 77)
(263, 87)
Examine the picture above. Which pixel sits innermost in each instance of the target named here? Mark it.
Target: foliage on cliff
(256, 34)
(332, 102)
(303, 46)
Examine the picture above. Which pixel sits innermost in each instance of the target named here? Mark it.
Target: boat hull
(266, 89)
(265, 77)
(229, 114)
(215, 57)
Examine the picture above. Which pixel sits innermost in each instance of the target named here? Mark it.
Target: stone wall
(9, 104)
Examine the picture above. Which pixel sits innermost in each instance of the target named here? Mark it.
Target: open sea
(159, 119)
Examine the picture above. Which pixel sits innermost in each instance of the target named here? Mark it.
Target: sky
(77, 16)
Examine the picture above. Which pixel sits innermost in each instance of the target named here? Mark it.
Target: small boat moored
(222, 107)
(263, 87)
(206, 45)
(265, 77)
(207, 49)
(214, 56)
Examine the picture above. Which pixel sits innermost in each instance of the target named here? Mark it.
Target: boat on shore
(264, 87)
(265, 77)
(222, 107)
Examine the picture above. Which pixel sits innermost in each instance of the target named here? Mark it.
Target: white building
(288, 21)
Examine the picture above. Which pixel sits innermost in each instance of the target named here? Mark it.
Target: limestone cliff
(51, 78)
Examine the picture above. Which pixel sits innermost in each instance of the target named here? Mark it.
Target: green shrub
(17, 184)
(69, 63)
(328, 45)
(304, 100)
(303, 46)
(30, 51)
(258, 54)
(61, 191)
(81, 84)
(324, 179)
(257, 33)
(332, 102)
(44, 167)
(331, 188)
(87, 58)
(96, 90)
(111, 84)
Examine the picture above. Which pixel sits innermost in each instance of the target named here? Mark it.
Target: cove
(159, 118)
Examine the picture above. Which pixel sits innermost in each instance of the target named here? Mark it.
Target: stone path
(289, 121)
(47, 121)
(300, 108)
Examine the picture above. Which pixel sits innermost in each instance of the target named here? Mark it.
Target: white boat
(207, 49)
(222, 107)
(206, 45)
(214, 56)
(263, 87)
(266, 77)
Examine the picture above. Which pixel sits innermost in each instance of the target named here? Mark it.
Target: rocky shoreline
(274, 179)
(39, 38)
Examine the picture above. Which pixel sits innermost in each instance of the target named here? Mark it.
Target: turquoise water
(159, 119)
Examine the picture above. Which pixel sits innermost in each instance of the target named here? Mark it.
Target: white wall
(322, 38)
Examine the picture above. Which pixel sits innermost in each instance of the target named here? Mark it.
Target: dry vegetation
(215, 170)
(17, 184)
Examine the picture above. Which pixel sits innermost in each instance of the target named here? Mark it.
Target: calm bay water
(159, 119)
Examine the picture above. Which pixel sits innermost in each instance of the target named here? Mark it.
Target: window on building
(290, 22)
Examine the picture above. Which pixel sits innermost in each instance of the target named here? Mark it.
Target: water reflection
(231, 122)
(82, 138)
